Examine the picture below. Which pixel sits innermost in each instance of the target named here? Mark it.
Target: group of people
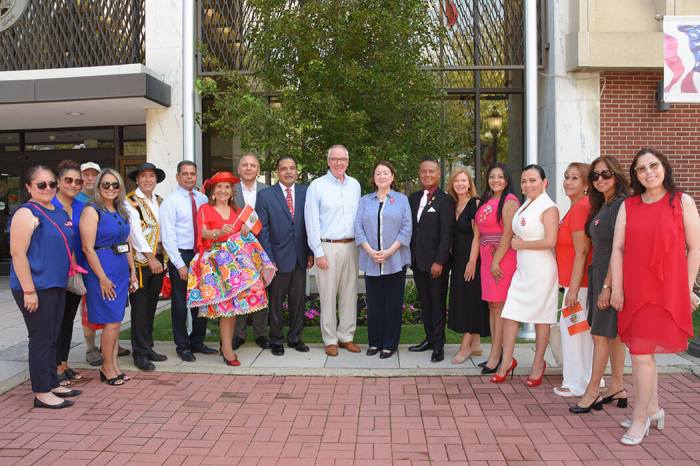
(626, 256)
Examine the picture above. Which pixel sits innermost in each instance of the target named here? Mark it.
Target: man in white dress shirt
(177, 218)
(331, 204)
(143, 206)
(246, 193)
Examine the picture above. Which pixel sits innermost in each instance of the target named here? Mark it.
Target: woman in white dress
(532, 296)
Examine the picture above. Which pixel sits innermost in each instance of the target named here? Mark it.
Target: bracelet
(606, 287)
(27, 293)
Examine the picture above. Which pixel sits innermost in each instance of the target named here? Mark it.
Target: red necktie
(290, 201)
(194, 217)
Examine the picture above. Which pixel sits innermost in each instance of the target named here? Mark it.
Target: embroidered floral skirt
(230, 278)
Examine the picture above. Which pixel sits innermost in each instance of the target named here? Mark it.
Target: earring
(212, 198)
(585, 192)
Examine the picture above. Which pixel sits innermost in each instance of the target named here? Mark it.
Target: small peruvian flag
(249, 218)
(451, 13)
(575, 319)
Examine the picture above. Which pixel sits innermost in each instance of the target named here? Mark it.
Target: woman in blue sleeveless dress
(40, 238)
(104, 228)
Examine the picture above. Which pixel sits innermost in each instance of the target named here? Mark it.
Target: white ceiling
(105, 112)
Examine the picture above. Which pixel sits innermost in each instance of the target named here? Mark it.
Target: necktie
(423, 202)
(194, 217)
(290, 201)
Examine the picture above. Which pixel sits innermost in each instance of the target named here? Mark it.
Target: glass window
(135, 141)
(70, 139)
(9, 142)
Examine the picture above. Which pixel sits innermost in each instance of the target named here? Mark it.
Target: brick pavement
(172, 419)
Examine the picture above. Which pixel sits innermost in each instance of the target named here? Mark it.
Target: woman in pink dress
(494, 232)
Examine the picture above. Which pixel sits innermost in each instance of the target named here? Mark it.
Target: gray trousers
(260, 328)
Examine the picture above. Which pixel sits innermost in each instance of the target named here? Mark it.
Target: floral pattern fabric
(229, 278)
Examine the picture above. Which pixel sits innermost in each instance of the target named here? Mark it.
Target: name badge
(122, 248)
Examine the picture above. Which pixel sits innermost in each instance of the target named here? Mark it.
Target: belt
(344, 240)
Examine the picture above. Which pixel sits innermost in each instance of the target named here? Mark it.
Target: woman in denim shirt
(383, 235)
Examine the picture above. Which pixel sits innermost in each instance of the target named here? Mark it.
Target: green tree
(345, 72)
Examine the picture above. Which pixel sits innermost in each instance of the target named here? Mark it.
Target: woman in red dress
(227, 277)
(655, 259)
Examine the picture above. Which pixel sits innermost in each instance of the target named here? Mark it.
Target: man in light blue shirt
(330, 208)
(177, 218)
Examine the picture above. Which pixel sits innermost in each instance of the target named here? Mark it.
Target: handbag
(75, 279)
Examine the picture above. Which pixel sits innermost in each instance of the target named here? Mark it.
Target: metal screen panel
(75, 33)
(223, 34)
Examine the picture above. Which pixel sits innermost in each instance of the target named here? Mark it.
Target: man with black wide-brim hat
(143, 206)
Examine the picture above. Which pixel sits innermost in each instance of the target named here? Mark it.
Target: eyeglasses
(42, 185)
(605, 174)
(75, 181)
(640, 169)
(338, 160)
(108, 185)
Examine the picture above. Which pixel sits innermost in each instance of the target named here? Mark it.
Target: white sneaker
(564, 392)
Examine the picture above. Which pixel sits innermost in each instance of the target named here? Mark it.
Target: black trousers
(384, 309)
(43, 326)
(432, 293)
(65, 332)
(178, 309)
(292, 286)
(143, 309)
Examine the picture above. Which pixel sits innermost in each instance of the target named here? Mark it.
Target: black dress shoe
(299, 346)
(237, 342)
(40, 404)
(422, 346)
(482, 364)
(186, 355)
(277, 350)
(143, 363)
(372, 350)
(123, 352)
(68, 394)
(153, 356)
(597, 405)
(386, 354)
(437, 356)
(204, 349)
(262, 342)
(486, 370)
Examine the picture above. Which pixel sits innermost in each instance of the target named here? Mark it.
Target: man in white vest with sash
(143, 207)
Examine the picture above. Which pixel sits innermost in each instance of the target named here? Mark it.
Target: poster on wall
(682, 59)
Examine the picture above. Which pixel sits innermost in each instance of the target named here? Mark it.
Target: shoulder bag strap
(74, 268)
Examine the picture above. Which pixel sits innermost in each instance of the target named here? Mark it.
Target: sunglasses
(639, 169)
(42, 185)
(605, 174)
(75, 181)
(108, 185)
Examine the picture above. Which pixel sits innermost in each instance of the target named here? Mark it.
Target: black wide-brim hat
(160, 174)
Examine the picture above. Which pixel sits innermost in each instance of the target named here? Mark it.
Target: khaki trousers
(338, 284)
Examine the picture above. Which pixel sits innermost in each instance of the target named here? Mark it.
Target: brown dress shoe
(350, 346)
(332, 350)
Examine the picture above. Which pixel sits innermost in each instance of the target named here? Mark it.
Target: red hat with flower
(220, 177)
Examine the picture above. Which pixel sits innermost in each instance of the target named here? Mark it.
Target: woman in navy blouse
(383, 235)
(40, 243)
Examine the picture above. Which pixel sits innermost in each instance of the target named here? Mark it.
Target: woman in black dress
(610, 187)
(467, 312)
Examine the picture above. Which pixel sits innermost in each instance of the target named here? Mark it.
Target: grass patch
(410, 333)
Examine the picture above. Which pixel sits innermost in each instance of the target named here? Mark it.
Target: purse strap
(73, 265)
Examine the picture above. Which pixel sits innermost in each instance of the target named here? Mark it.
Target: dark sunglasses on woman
(42, 185)
(75, 181)
(108, 185)
(605, 174)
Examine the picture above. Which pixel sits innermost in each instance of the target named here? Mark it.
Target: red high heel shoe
(511, 370)
(538, 381)
(231, 362)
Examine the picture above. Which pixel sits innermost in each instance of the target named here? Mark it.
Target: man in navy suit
(283, 236)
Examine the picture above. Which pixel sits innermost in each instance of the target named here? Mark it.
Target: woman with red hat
(227, 277)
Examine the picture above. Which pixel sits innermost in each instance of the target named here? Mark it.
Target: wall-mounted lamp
(659, 98)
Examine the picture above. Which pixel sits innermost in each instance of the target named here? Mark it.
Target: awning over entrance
(75, 97)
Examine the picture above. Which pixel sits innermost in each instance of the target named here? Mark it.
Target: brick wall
(629, 121)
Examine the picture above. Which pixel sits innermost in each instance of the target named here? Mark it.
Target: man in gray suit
(246, 193)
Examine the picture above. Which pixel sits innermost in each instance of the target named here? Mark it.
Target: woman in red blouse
(573, 258)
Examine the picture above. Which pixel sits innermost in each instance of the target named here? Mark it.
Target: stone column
(569, 106)
(164, 143)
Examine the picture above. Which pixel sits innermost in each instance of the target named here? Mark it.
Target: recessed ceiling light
(74, 113)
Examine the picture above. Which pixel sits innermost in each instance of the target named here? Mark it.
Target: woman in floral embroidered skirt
(228, 276)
